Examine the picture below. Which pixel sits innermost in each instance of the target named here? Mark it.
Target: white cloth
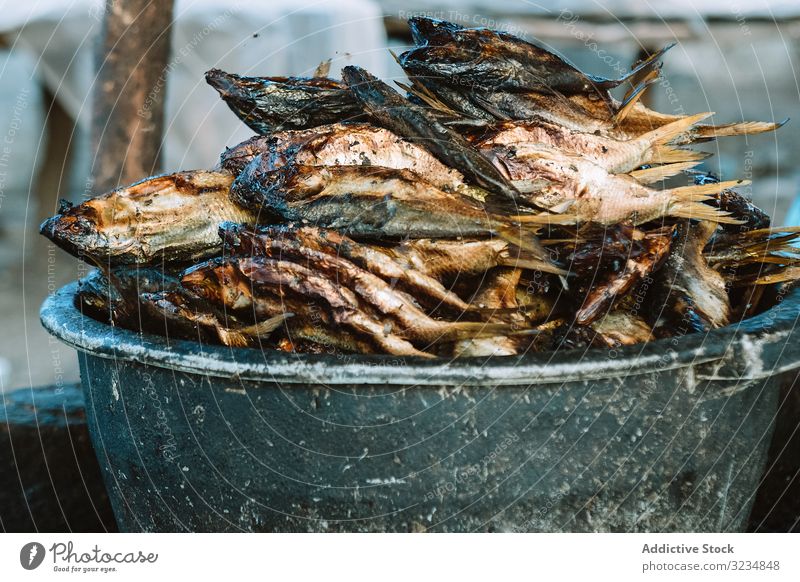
(247, 37)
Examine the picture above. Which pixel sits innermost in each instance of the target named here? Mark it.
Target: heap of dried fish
(507, 204)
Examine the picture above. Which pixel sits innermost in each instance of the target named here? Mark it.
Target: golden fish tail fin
(670, 131)
(658, 173)
(688, 202)
(665, 154)
(708, 132)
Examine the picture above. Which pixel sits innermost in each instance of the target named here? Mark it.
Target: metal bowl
(667, 436)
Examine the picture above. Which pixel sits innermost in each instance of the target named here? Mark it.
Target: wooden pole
(128, 99)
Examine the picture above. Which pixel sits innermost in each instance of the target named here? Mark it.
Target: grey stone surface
(49, 476)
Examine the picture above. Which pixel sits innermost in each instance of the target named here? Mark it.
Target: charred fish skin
(648, 256)
(173, 217)
(375, 203)
(342, 144)
(361, 201)
(615, 156)
(389, 109)
(268, 104)
(115, 297)
(504, 60)
(739, 207)
(688, 292)
(377, 260)
(286, 278)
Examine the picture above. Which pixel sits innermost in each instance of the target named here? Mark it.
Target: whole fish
(390, 320)
(172, 217)
(183, 318)
(615, 156)
(688, 293)
(269, 278)
(272, 241)
(387, 108)
(356, 144)
(221, 282)
(590, 114)
(640, 119)
(576, 190)
(374, 203)
(114, 296)
(447, 260)
(501, 61)
(309, 246)
(269, 104)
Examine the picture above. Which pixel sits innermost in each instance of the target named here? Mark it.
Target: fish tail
(658, 173)
(706, 132)
(780, 239)
(667, 133)
(687, 202)
(664, 154)
(532, 248)
(774, 246)
(782, 275)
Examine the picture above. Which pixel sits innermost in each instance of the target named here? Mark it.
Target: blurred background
(734, 58)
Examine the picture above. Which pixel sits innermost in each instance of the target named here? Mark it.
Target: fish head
(218, 281)
(228, 85)
(426, 30)
(75, 230)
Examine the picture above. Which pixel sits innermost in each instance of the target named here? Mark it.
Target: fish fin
(706, 132)
(650, 64)
(535, 252)
(465, 330)
(483, 104)
(786, 274)
(769, 245)
(667, 133)
(323, 69)
(664, 154)
(528, 186)
(545, 218)
(266, 327)
(530, 264)
(658, 173)
(426, 96)
(633, 96)
(687, 202)
(769, 241)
